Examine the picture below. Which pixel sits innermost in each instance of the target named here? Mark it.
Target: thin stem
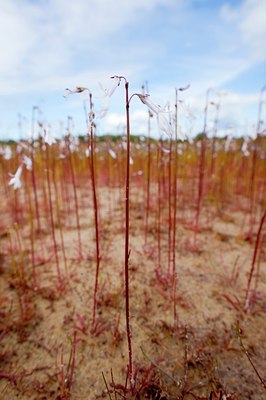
(175, 183)
(75, 194)
(169, 205)
(239, 334)
(52, 217)
(248, 291)
(95, 204)
(127, 252)
(148, 178)
(159, 165)
(59, 218)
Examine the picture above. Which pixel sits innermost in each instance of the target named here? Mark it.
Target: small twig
(185, 379)
(106, 385)
(113, 382)
(257, 244)
(239, 332)
(159, 368)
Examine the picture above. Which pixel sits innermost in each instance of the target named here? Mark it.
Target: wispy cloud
(249, 18)
(47, 45)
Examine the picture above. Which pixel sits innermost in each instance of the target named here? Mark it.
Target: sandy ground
(200, 346)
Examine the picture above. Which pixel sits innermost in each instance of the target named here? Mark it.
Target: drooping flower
(77, 89)
(145, 98)
(27, 161)
(165, 150)
(107, 95)
(183, 88)
(15, 180)
(227, 143)
(124, 145)
(48, 137)
(105, 107)
(162, 119)
(244, 148)
(112, 153)
(116, 82)
(87, 151)
(7, 153)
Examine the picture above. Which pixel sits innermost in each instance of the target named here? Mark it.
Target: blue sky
(48, 45)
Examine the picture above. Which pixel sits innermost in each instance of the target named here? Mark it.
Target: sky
(49, 45)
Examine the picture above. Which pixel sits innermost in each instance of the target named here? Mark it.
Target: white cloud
(48, 45)
(250, 20)
(45, 41)
(237, 111)
(116, 123)
(16, 37)
(253, 27)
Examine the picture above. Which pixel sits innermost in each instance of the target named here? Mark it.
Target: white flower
(87, 151)
(7, 153)
(27, 161)
(162, 120)
(116, 82)
(244, 148)
(182, 89)
(15, 180)
(163, 123)
(105, 107)
(48, 137)
(124, 145)
(186, 110)
(77, 89)
(145, 100)
(112, 153)
(227, 143)
(107, 94)
(73, 144)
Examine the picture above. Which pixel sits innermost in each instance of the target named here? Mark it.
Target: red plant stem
(24, 301)
(163, 175)
(169, 205)
(66, 191)
(31, 217)
(4, 182)
(38, 216)
(213, 144)
(127, 252)
(201, 166)
(74, 345)
(148, 180)
(109, 182)
(52, 217)
(18, 272)
(175, 185)
(251, 188)
(75, 194)
(59, 218)
(175, 305)
(159, 162)
(248, 291)
(200, 185)
(33, 179)
(96, 223)
(44, 193)
(221, 195)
